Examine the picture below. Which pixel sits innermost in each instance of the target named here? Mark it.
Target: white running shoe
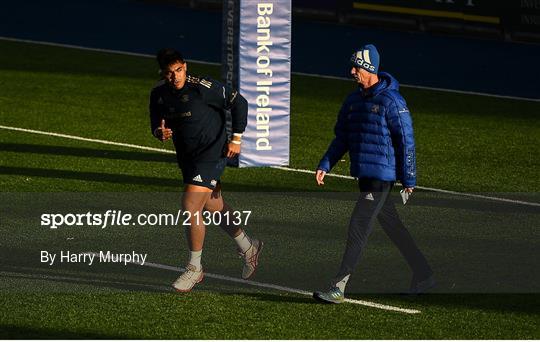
(251, 258)
(188, 279)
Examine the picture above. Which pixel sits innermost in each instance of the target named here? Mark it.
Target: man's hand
(163, 133)
(319, 177)
(232, 150)
(405, 194)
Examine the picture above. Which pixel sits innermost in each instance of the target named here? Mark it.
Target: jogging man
(374, 125)
(190, 110)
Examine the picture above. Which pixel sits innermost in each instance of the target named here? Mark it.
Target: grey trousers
(375, 203)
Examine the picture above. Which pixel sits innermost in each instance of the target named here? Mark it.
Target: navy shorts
(205, 173)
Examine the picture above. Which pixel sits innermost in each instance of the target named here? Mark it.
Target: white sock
(342, 283)
(243, 242)
(195, 259)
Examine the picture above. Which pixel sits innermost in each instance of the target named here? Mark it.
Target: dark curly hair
(168, 56)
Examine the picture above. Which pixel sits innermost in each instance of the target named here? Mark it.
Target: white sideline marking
(84, 48)
(209, 275)
(146, 148)
(127, 53)
(465, 92)
(74, 137)
(273, 287)
(450, 192)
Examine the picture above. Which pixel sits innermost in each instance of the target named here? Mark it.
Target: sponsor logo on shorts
(369, 197)
(213, 182)
(198, 178)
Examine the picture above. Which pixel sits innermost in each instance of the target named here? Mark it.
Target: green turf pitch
(465, 143)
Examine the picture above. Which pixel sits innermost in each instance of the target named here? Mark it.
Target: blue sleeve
(400, 125)
(339, 146)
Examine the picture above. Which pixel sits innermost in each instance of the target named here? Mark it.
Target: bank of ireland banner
(264, 69)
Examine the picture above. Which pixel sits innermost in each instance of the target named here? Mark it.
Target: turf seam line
(136, 54)
(275, 287)
(154, 149)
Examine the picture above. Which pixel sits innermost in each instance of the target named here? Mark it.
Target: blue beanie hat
(367, 58)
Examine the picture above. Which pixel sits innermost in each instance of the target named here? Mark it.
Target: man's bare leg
(248, 248)
(216, 203)
(193, 202)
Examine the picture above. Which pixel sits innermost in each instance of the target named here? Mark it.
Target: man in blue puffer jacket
(374, 125)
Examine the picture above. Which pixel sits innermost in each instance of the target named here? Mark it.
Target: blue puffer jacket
(375, 126)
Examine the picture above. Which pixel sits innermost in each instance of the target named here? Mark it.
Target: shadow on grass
(24, 265)
(174, 183)
(11, 331)
(90, 176)
(87, 152)
(119, 284)
(437, 200)
(275, 298)
(503, 302)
